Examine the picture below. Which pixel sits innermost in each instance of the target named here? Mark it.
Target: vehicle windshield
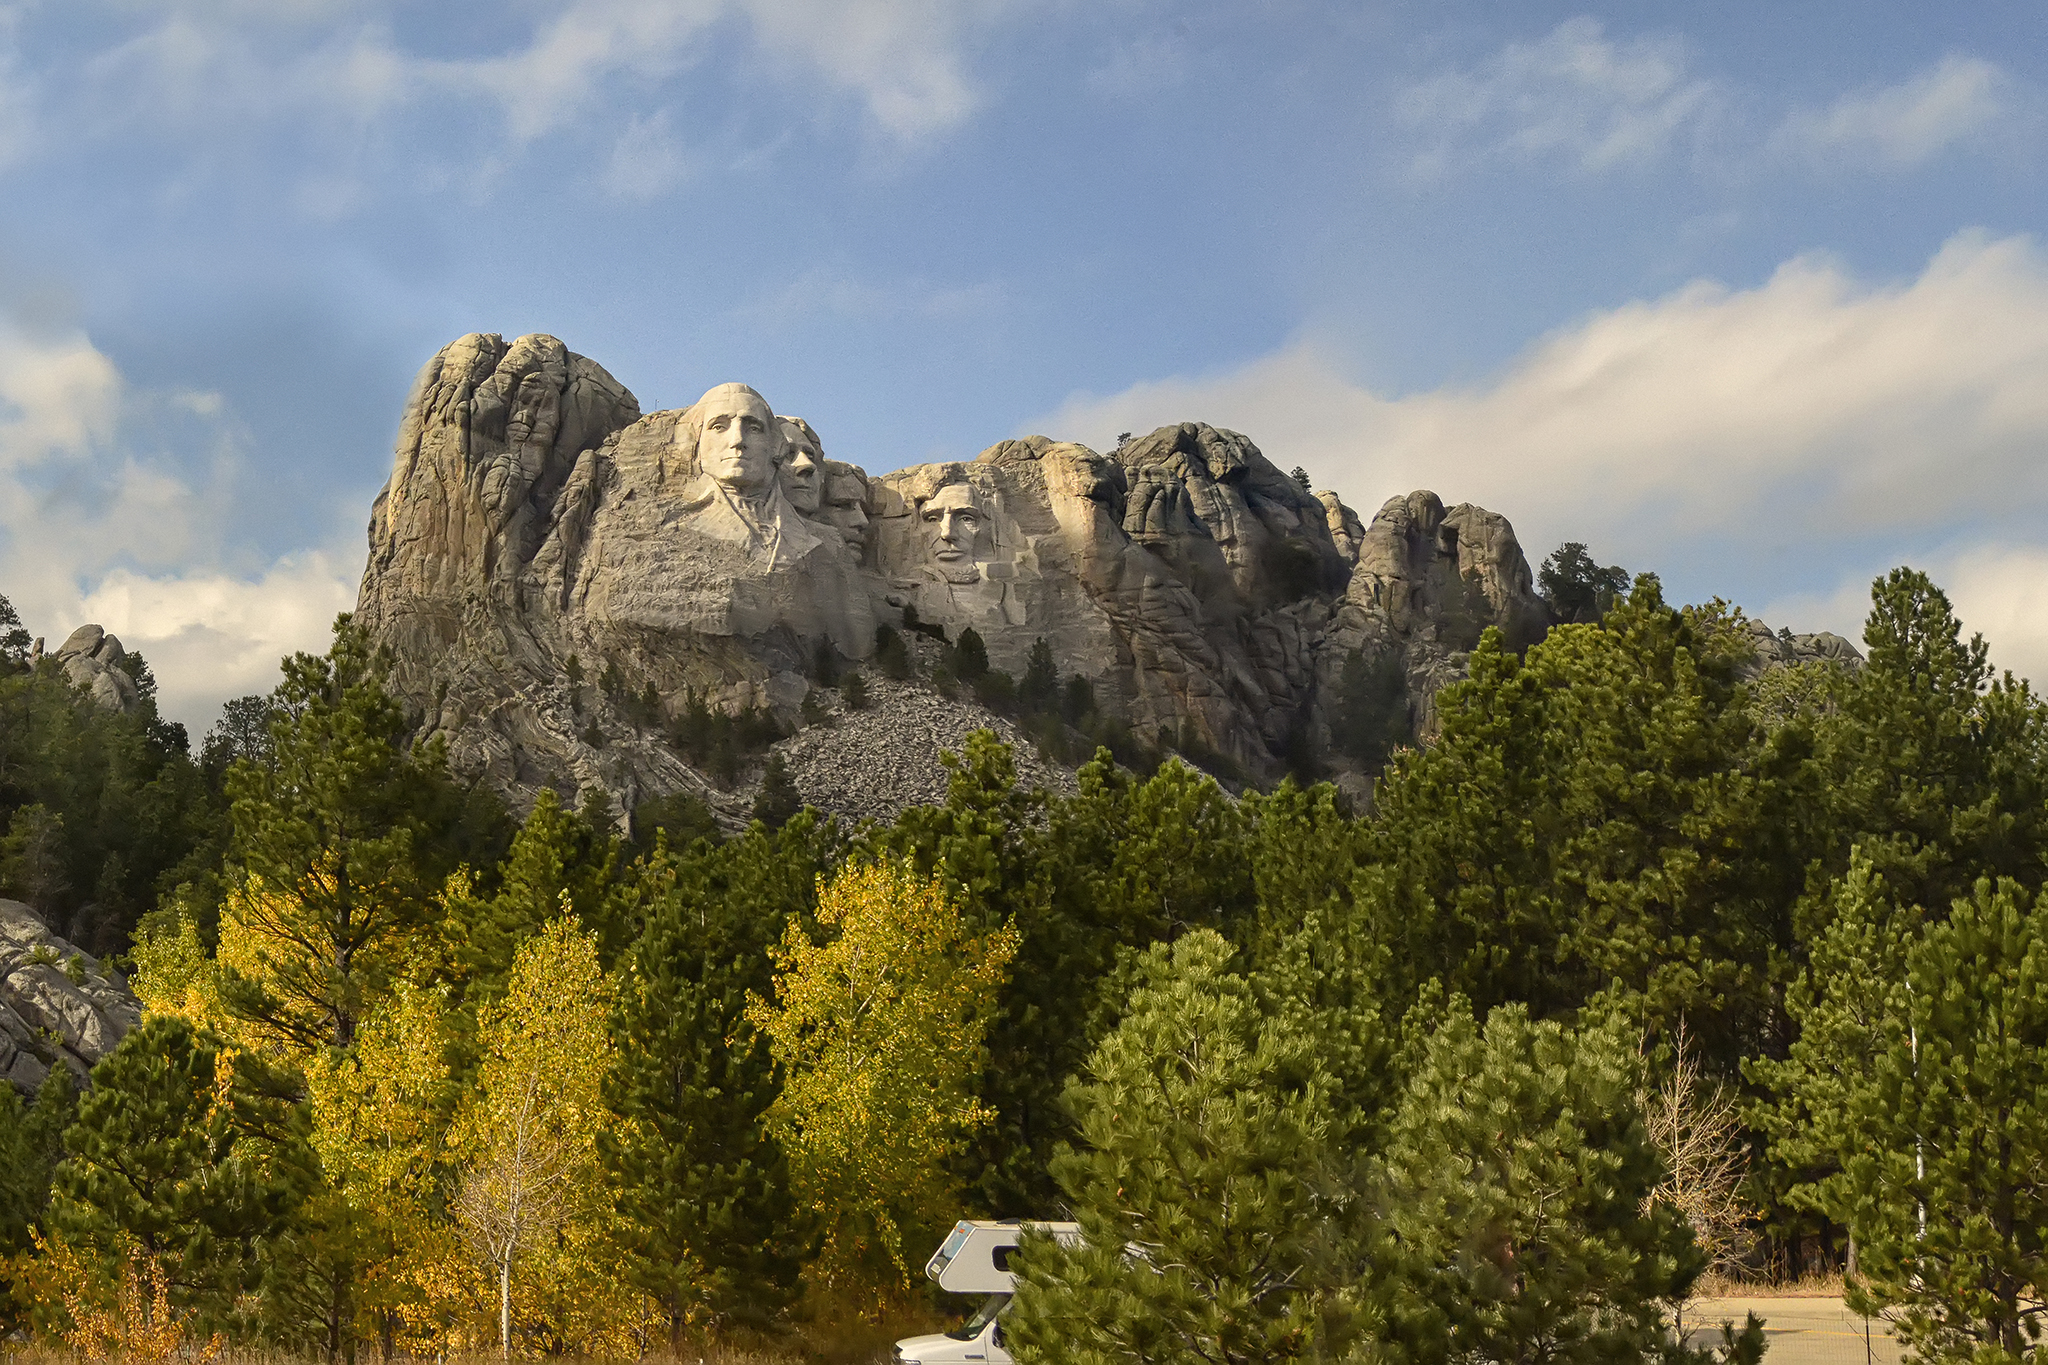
(991, 1308)
(946, 1253)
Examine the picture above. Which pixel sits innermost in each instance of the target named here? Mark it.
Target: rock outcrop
(95, 662)
(556, 573)
(1782, 648)
(58, 1007)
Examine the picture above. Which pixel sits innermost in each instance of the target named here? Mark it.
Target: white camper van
(975, 1259)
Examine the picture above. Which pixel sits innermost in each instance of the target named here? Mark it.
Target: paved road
(1801, 1331)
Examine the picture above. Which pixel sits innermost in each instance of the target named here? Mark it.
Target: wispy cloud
(1903, 125)
(907, 64)
(556, 75)
(647, 160)
(907, 61)
(832, 293)
(1575, 96)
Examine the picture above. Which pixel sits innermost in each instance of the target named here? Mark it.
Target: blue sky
(1754, 295)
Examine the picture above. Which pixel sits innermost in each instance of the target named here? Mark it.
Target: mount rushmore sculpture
(539, 529)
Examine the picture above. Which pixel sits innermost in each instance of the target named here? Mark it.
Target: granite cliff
(558, 575)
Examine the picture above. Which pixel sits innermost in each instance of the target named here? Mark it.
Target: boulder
(94, 662)
(58, 1006)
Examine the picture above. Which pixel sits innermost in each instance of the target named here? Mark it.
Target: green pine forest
(1635, 975)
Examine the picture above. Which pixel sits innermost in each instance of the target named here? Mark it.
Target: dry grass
(1812, 1286)
(831, 1338)
(792, 1349)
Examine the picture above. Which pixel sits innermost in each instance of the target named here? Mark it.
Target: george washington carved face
(739, 443)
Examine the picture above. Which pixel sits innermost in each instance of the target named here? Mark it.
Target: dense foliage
(1316, 1082)
(99, 812)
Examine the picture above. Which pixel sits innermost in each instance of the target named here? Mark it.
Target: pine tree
(825, 664)
(1514, 1187)
(327, 839)
(1316, 966)
(197, 1156)
(1039, 688)
(678, 818)
(1919, 1087)
(1930, 765)
(1205, 1128)
(1603, 815)
(242, 732)
(15, 641)
(970, 657)
(559, 857)
(778, 798)
(892, 655)
(1370, 719)
(31, 1145)
(701, 1184)
(1578, 590)
(853, 689)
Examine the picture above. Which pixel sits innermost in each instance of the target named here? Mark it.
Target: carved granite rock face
(556, 572)
(47, 1018)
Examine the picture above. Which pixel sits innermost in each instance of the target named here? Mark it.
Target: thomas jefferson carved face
(955, 532)
(738, 442)
(803, 473)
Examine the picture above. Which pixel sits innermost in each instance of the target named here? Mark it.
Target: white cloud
(1574, 95)
(1802, 421)
(211, 636)
(58, 396)
(1139, 68)
(1902, 125)
(93, 528)
(1998, 590)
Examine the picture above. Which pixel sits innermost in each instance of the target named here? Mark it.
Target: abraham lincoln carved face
(956, 533)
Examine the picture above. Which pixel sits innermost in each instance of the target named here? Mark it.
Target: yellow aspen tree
(380, 1128)
(530, 1193)
(880, 1030)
